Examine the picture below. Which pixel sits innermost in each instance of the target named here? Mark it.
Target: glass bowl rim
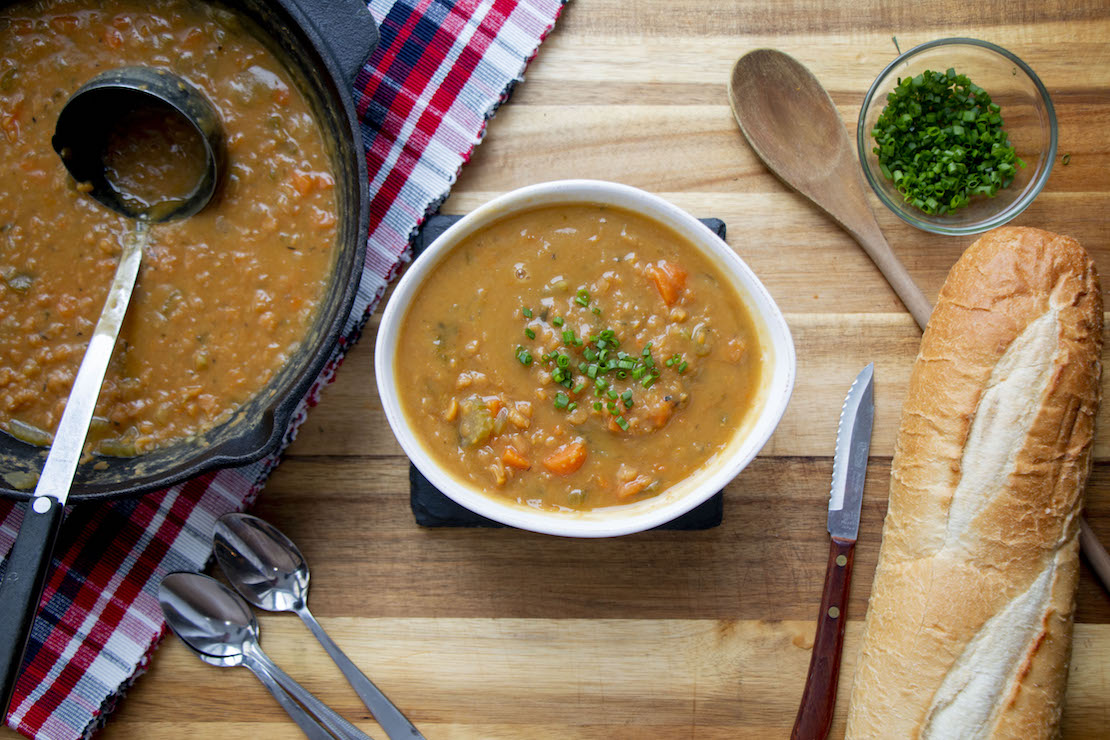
(1001, 217)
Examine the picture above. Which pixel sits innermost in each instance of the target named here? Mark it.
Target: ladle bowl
(91, 115)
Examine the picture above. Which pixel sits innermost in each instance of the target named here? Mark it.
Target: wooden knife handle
(815, 714)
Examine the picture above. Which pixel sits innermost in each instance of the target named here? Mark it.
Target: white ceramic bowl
(774, 337)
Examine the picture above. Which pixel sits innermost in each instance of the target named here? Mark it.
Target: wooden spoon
(793, 126)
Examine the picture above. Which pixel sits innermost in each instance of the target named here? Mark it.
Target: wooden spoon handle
(861, 224)
(895, 273)
(1095, 552)
(815, 713)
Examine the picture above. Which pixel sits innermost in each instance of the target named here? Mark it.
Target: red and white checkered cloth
(441, 70)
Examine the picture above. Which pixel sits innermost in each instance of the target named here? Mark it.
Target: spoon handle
(311, 728)
(395, 724)
(341, 728)
(867, 232)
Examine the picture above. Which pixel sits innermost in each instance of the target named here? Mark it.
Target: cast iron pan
(324, 43)
(297, 29)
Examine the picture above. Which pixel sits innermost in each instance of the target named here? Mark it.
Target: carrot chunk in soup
(669, 279)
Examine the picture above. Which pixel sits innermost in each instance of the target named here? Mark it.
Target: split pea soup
(575, 357)
(224, 297)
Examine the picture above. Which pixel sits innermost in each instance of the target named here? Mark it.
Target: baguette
(968, 629)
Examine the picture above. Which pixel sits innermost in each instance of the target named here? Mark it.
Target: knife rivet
(841, 560)
(834, 612)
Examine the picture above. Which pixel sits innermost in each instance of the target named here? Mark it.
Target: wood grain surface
(507, 634)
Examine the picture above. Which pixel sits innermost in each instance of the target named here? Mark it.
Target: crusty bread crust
(986, 488)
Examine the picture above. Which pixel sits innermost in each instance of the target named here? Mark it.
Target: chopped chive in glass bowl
(1003, 180)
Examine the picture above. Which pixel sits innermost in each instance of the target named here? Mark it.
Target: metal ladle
(81, 137)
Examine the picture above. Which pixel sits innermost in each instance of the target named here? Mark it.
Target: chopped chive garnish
(526, 311)
(583, 298)
(572, 406)
(648, 381)
(592, 371)
(682, 367)
(940, 141)
(561, 400)
(638, 372)
(579, 388)
(562, 361)
(597, 405)
(622, 423)
(596, 310)
(529, 333)
(568, 336)
(612, 407)
(524, 356)
(557, 321)
(583, 367)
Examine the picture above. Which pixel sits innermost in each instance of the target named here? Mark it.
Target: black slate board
(431, 508)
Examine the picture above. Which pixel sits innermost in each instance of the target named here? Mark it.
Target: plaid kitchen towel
(441, 70)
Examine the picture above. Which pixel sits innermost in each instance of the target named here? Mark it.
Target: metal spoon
(270, 572)
(83, 124)
(791, 123)
(219, 626)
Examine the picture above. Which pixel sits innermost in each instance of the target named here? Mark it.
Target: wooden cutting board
(506, 634)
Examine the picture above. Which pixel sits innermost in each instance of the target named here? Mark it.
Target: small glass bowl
(1028, 119)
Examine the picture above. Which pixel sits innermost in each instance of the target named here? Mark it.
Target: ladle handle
(312, 729)
(21, 590)
(341, 728)
(396, 725)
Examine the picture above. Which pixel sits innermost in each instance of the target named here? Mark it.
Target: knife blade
(853, 443)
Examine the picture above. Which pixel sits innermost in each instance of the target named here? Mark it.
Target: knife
(853, 440)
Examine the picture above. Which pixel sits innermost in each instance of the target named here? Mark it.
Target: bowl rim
(611, 521)
(998, 219)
